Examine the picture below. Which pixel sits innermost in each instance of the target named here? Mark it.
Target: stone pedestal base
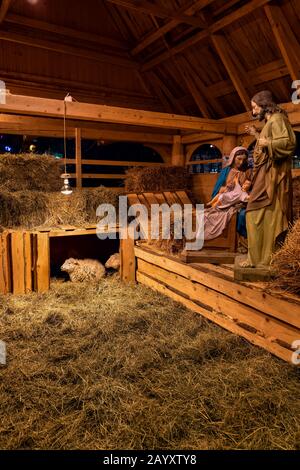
(250, 274)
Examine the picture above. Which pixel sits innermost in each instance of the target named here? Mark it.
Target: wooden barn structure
(173, 76)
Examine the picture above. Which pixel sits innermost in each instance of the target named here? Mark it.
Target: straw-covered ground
(119, 367)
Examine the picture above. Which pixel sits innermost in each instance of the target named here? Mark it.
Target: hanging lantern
(66, 189)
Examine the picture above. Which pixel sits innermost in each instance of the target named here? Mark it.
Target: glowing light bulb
(66, 189)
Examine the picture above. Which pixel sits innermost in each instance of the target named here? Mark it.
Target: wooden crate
(25, 257)
(268, 321)
(5, 263)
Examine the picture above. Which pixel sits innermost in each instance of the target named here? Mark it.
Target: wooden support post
(5, 264)
(178, 158)
(229, 142)
(128, 263)
(43, 262)
(78, 158)
(21, 262)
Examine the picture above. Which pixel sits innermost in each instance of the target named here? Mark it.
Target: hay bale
(65, 210)
(26, 209)
(162, 178)
(30, 172)
(296, 197)
(94, 197)
(35, 209)
(286, 262)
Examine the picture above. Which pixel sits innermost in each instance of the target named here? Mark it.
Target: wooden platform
(269, 321)
(25, 256)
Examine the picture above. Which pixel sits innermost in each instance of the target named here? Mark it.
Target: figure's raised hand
(251, 130)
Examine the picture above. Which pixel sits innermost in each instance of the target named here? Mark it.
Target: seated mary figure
(229, 196)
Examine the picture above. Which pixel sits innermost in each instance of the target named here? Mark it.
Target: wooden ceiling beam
(157, 33)
(75, 86)
(150, 9)
(225, 7)
(34, 126)
(34, 106)
(67, 49)
(5, 4)
(217, 26)
(271, 71)
(230, 65)
(64, 31)
(285, 38)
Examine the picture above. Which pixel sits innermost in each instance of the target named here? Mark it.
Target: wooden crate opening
(79, 247)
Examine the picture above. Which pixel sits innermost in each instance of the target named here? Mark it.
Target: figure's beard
(260, 116)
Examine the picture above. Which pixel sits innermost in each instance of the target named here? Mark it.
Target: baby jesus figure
(236, 190)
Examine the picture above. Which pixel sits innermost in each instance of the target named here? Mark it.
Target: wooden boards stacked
(265, 320)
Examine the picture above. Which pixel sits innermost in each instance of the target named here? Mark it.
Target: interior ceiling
(203, 58)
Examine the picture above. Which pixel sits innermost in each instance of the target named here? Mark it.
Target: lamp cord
(65, 135)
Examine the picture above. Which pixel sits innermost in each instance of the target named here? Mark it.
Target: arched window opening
(208, 158)
(296, 158)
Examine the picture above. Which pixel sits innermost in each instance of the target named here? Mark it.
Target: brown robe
(272, 175)
(269, 207)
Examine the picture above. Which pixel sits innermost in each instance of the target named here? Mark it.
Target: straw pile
(162, 178)
(286, 262)
(170, 245)
(120, 367)
(296, 197)
(33, 209)
(30, 172)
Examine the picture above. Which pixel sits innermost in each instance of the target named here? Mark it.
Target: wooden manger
(219, 250)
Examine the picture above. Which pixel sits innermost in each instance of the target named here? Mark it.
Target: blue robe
(241, 215)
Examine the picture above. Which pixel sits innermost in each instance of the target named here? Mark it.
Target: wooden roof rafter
(67, 49)
(203, 89)
(189, 10)
(232, 67)
(198, 97)
(5, 4)
(65, 31)
(143, 6)
(285, 38)
(149, 80)
(212, 29)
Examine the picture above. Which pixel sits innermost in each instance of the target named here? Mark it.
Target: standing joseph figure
(269, 208)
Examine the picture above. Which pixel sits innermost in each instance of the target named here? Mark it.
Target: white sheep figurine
(81, 270)
(113, 262)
